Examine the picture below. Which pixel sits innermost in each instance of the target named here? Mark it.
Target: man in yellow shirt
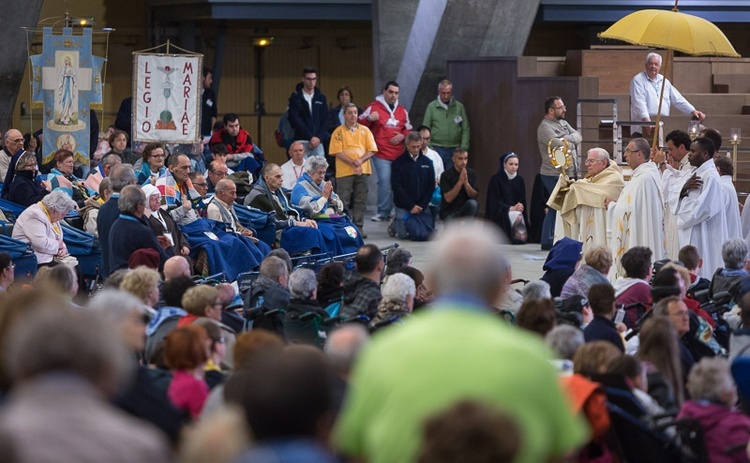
(353, 145)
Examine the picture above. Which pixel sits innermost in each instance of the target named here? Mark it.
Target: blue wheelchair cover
(226, 252)
(84, 247)
(251, 165)
(22, 255)
(262, 222)
(11, 209)
(79, 242)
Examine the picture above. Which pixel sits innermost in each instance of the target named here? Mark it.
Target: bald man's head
(226, 293)
(176, 266)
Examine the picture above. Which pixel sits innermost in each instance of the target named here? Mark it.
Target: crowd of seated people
(677, 335)
(177, 213)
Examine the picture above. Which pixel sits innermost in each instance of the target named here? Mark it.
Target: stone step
(719, 103)
(736, 83)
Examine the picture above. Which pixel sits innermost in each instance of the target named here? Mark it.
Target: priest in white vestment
(701, 212)
(582, 205)
(675, 170)
(726, 172)
(638, 215)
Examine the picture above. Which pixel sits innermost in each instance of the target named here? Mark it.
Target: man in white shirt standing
(645, 89)
(295, 166)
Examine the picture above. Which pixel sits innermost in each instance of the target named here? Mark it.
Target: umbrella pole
(661, 99)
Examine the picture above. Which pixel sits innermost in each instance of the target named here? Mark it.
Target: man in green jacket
(446, 118)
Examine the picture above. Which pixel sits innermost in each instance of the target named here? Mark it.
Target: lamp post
(260, 45)
(260, 105)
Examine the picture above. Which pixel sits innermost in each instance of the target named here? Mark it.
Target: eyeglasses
(591, 161)
(627, 150)
(560, 107)
(219, 174)
(17, 140)
(157, 155)
(202, 185)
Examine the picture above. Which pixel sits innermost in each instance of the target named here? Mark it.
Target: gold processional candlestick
(735, 138)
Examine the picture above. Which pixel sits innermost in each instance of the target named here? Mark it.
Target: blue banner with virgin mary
(66, 84)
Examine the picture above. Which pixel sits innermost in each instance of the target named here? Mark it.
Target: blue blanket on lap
(341, 235)
(227, 252)
(297, 240)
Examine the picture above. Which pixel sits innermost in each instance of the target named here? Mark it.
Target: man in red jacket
(389, 124)
(236, 139)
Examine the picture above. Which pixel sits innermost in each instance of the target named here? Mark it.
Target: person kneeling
(413, 182)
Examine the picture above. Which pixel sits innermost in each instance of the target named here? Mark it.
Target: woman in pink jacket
(713, 395)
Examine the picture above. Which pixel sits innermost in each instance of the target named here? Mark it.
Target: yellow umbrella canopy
(674, 31)
(671, 30)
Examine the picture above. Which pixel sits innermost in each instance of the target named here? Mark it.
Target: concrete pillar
(413, 38)
(187, 38)
(13, 59)
(221, 42)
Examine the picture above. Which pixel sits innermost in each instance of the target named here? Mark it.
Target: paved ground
(526, 260)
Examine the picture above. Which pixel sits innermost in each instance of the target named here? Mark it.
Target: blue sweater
(108, 213)
(602, 329)
(413, 182)
(129, 234)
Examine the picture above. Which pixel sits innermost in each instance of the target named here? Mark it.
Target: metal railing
(584, 126)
